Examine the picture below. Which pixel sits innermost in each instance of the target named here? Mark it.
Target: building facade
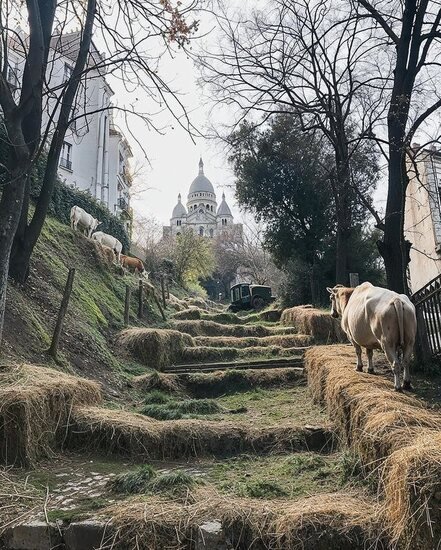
(95, 154)
(202, 215)
(422, 222)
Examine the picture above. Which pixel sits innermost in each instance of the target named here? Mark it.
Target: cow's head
(95, 224)
(339, 296)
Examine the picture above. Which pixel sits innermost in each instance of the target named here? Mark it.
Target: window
(212, 209)
(66, 156)
(224, 221)
(208, 207)
(245, 291)
(201, 232)
(68, 70)
(211, 233)
(178, 222)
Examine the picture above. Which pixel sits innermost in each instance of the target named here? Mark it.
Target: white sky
(173, 157)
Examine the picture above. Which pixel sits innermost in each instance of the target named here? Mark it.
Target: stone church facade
(201, 214)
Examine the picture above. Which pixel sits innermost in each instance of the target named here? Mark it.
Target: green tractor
(248, 296)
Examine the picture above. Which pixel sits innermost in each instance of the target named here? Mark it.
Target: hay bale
(155, 348)
(412, 492)
(218, 383)
(282, 340)
(224, 318)
(319, 324)
(203, 354)
(190, 313)
(327, 522)
(35, 404)
(374, 419)
(271, 315)
(210, 328)
(138, 436)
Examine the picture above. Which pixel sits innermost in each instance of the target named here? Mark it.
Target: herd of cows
(86, 222)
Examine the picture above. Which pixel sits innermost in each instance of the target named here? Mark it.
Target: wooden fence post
(127, 305)
(163, 292)
(140, 300)
(61, 313)
(167, 287)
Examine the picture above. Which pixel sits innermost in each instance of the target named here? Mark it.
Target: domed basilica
(202, 214)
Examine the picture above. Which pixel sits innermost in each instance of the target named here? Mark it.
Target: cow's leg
(407, 353)
(359, 366)
(392, 357)
(370, 354)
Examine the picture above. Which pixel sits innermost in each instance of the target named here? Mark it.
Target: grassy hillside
(95, 312)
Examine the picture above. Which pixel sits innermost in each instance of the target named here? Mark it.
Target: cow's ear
(330, 290)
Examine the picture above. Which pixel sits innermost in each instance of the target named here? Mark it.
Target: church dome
(201, 183)
(224, 209)
(179, 210)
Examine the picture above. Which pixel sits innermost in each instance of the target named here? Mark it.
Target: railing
(66, 163)
(427, 302)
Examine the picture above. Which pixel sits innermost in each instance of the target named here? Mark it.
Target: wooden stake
(127, 305)
(61, 313)
(158, 303)
(163, 292)
(140, 300)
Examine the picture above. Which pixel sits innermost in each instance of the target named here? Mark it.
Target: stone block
(85, 535)
(34, 535)
(211, 536)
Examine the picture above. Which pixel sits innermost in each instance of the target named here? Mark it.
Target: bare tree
(129, 32)
(412, 33)
(315, 60)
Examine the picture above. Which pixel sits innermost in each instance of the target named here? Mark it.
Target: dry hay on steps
(186, 314)
(334, 521)
(281, 340)
(210, 328)
(204, 354)
(136, 435)
(35, 406)
(412, 492)
(319, 324)
(373, 418)
(394, 435)
(155, 348)
(220, 382)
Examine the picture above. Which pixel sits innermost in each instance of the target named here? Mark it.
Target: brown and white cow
(377, 318)
(132, 263)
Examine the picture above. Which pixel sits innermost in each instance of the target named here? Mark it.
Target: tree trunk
(341, 255)
(10, 209)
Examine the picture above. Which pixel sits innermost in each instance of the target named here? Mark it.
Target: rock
(211, 536)
(34, 535)
(85, 535)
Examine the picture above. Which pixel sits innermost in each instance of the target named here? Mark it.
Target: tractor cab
(248, 296)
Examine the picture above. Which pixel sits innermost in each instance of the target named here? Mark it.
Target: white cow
(377, 318)
(78, 216)
(110, 241)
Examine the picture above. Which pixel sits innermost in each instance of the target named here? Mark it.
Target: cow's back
(371, 316)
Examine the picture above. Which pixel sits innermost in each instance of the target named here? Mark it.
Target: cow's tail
(399, 308)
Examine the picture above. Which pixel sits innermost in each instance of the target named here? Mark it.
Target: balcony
(123, 204)
(66, 163)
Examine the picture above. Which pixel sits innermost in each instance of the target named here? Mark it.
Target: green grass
(163, 407)
(82, 510)
(136, 481)
(289, 476)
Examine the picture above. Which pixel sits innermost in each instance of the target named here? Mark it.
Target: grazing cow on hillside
(132, 263)
(78, 216)
(110, 241)
(377, 318)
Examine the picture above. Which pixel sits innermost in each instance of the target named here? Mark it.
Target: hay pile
(211, 354)
(397, 439)
(327, 522)
(218, 383)
(283, 341)
(188, 314)
(35, 406)
(210, 328)
(319, 324)
(155, 348)
(135, 435)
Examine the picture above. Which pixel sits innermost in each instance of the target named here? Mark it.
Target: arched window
(211, 233)
(212, 209)
(208, 207)
(201, 231)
